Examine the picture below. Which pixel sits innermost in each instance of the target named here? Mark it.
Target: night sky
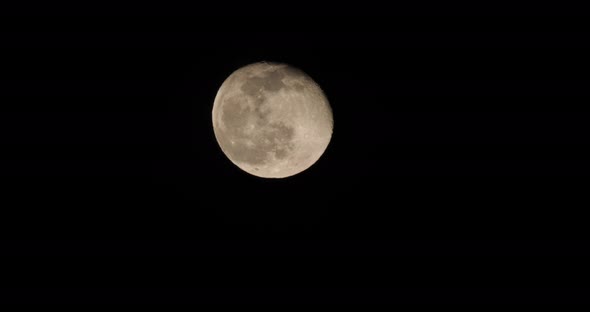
(457, 170)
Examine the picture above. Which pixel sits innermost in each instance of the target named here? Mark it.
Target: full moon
(272, 120)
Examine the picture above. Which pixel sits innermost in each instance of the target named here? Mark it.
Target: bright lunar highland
(272, 120)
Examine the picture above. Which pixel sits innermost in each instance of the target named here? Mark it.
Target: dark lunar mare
(271, 81)
(268, 136)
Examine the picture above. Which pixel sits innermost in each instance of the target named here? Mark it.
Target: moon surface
(272, 120)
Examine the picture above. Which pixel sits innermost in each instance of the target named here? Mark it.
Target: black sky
(458, 163)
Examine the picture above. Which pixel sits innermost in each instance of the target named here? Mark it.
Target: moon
(272, 120)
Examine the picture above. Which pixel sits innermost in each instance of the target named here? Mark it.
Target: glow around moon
(272, 120)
